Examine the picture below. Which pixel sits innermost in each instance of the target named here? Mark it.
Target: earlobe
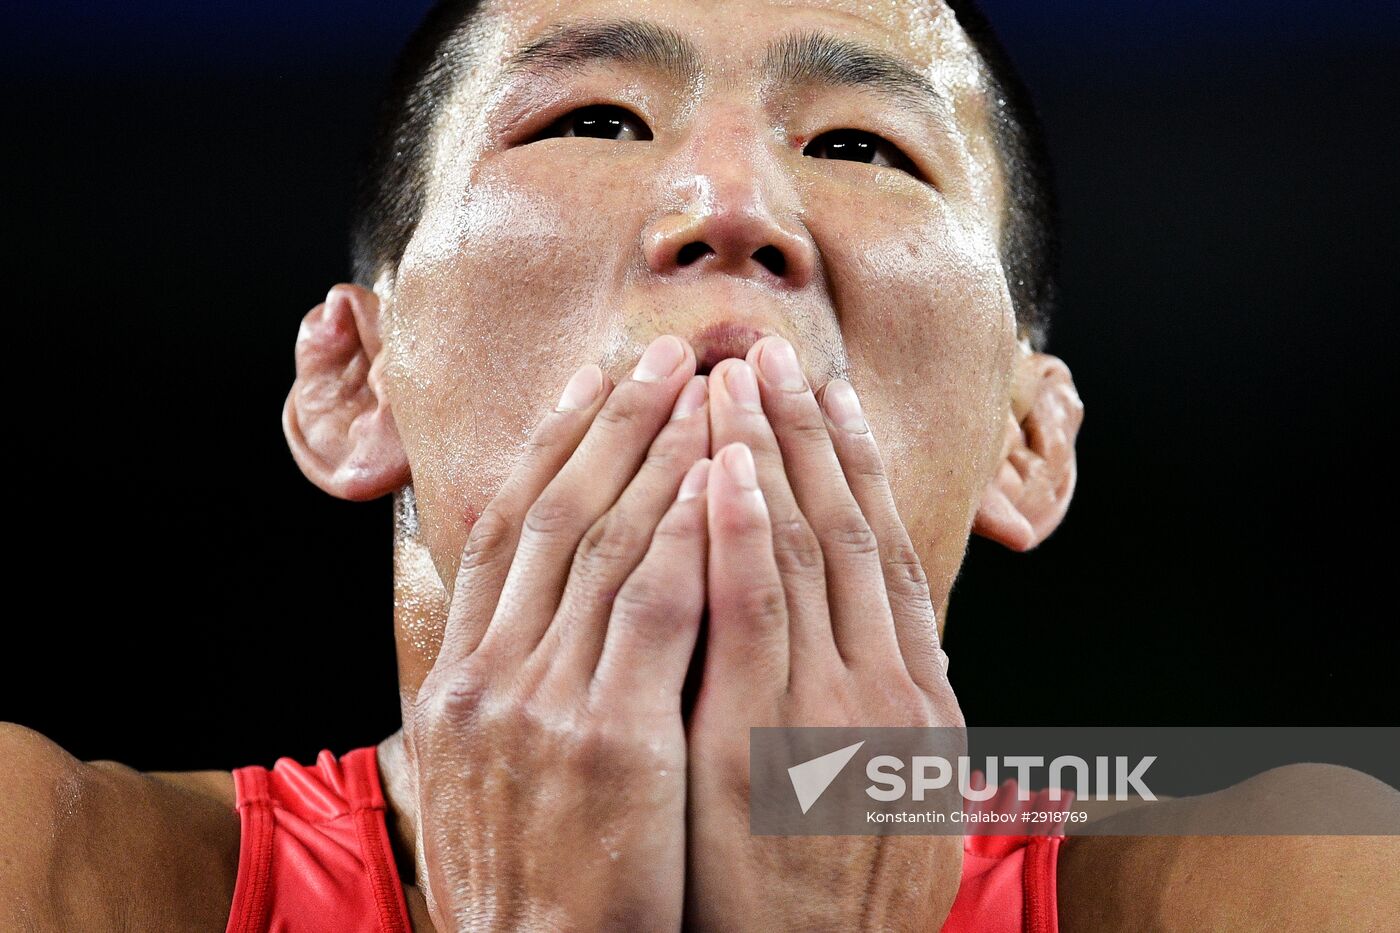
(337, 420)
(1029, 493)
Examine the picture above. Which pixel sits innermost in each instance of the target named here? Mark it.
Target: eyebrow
(619, 42)
(794, 60)
(824, 60)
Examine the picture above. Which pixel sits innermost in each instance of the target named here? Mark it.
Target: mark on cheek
(469, 517)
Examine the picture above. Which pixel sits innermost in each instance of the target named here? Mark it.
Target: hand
(819, 615)
(547, 742)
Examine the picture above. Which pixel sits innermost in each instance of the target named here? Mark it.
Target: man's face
(714, 204)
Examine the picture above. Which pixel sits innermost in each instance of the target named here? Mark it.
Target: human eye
(860, 146)
(598, 121)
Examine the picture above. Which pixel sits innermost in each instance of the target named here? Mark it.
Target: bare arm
(98, 846)
(1274, 883)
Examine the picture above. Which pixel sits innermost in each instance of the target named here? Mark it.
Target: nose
(732, 213)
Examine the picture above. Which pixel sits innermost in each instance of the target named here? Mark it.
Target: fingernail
(660, 359)
(843, 407)
(779, 363)
(738, 460)
(691, 398)
(741, 385)
(582, 389)
(695, 479)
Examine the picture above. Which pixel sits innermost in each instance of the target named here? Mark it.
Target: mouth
(722, 341)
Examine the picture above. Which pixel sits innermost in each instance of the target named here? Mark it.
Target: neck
(401, 805)
(420, 617)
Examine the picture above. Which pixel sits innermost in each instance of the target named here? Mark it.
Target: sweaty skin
(889, 280)
(540, 252)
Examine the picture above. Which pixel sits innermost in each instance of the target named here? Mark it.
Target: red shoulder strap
(367, 798)
(250, 900)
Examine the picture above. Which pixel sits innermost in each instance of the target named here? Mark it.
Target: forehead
(732, 36)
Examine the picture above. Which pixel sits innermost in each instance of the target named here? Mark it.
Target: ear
(1027, 496)
(337, 420)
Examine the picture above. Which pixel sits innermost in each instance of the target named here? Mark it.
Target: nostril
(772, 259)
(691, 252)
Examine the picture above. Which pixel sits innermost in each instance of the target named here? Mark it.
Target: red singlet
(314, 852)
(315, 857)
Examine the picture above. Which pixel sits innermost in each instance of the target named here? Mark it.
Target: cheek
(493, 309)
(930, 336)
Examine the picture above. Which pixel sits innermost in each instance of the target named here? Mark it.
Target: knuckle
(923, 659)
(549, 434)
(903, 699)
(650, 598)
(540, 442)
(488, 540)
(796, 547)
(906, 571)
(589, 752)
(664, 457)
(609, 541)
(543, 721)
(643, 596)
(552, 515)
(863, 463)
(809, 430)
(452, 698)
(621, 413)
(613, 747)
(763, 604)
(845, 530)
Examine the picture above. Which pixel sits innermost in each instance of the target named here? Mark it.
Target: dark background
(178, 197)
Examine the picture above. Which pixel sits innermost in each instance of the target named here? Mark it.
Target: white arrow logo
(811, 778)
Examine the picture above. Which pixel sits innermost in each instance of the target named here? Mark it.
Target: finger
(656, 616)
(737, 416)
(490, 547)
(914, 617)
(617, 542)
(748, 634)
(860, 620)
(586, 486)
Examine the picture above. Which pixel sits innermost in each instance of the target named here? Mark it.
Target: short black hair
(435, 60)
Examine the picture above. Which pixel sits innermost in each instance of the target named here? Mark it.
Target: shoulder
(97, 845)
(1131, 879)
